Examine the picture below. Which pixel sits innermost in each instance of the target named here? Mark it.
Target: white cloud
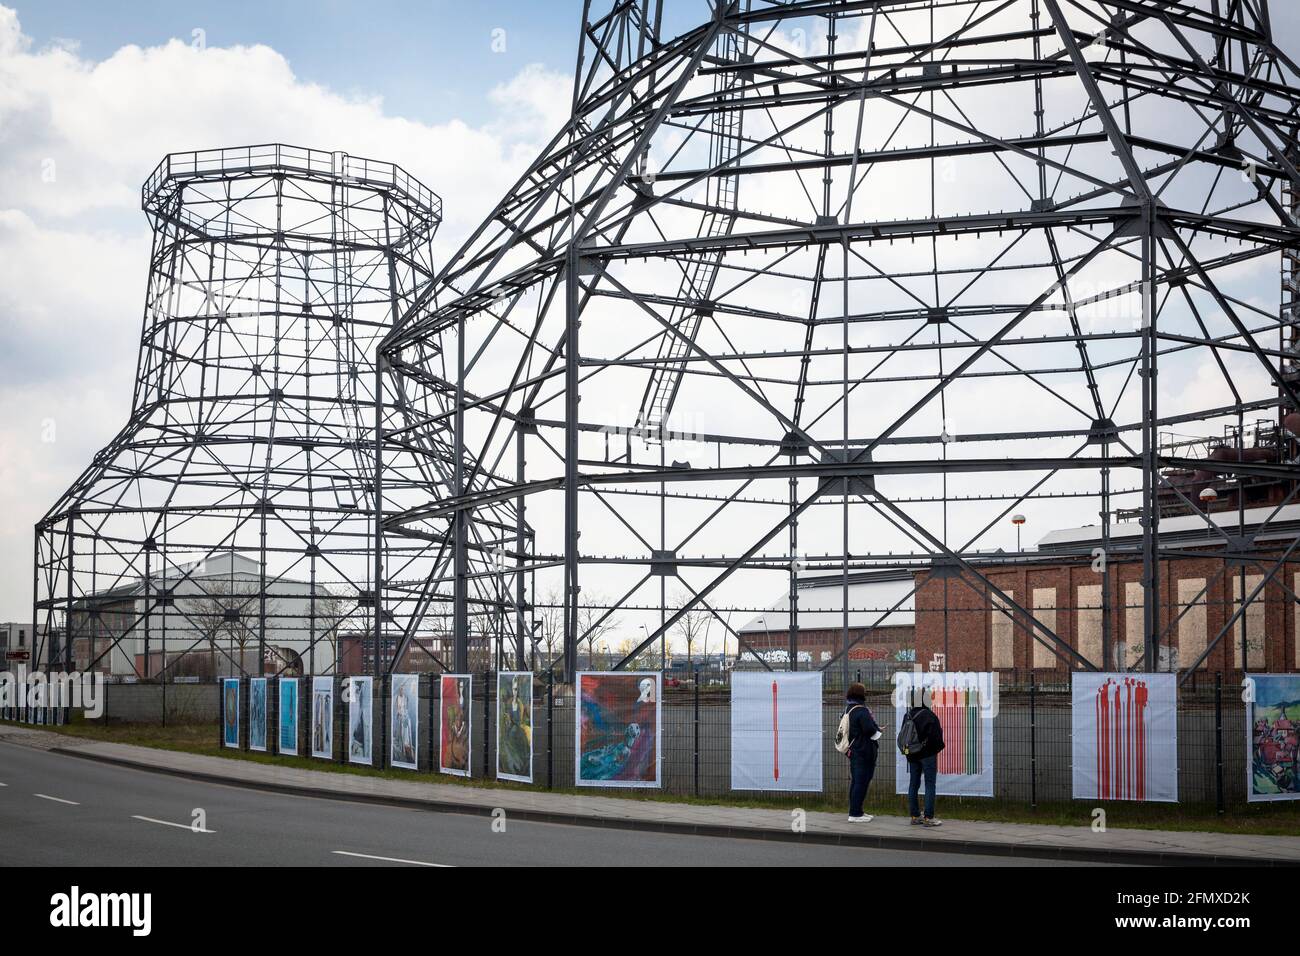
(79, 136)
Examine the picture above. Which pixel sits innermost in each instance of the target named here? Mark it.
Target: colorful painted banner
(616, 737)
(257, 714)
(322, 717)
(966, 704)
(1273, 737)
(289, 716)
(515, 726)
(1125, 736)
(360, 695)
(230, 711)
(455, 724)
(404, 721)
(776, 730)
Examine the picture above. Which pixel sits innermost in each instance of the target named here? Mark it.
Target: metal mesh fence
(1031, 736)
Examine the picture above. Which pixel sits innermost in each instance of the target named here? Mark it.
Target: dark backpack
(909, 739)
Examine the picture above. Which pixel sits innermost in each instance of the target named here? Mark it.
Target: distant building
(208, 619)
(15, 644)
(881, 622)
(945, 617)
(960, 618)
(357, 654)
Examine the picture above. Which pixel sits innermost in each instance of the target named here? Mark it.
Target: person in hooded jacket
(924, 763)
(863, 747)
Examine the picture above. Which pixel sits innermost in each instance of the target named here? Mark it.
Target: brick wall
(958, 615)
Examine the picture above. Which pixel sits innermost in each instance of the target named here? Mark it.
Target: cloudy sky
(93, 94)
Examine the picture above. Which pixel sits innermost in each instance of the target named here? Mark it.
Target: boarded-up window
(1251, 623)
(1134, 642)
(1045, 613)
(1002, 628)
(1088, 622)
(1192, 625)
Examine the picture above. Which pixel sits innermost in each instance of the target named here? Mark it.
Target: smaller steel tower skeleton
(234, 512)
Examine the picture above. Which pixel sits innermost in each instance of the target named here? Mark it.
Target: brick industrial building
(1064, 586)
(955, 620)
(880, 621)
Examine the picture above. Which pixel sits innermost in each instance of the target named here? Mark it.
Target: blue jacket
(862, 727)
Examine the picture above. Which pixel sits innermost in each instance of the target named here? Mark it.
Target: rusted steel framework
(836, 285)
(232, 516)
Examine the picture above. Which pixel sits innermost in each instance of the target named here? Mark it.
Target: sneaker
(865, 818)
(916, 821)
(931, 822)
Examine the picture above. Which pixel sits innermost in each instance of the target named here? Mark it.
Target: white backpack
(842, 732)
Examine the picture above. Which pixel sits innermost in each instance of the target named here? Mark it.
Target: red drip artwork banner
(1125, 737)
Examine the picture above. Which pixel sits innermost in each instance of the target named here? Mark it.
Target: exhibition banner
(360, 698)
(230, 711)
(515, 726)
(322, 717)
(966, 704)
(1124, 729)
(616, 737)
(1273, 737)
(257, 714)
(289, 716)
(455, 727)
(404, 721)
(776, 730)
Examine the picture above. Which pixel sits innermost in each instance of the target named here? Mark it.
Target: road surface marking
(46, 796)
(388, 859)
(168, 823)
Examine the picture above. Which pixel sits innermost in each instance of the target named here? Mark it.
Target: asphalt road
(57, 810)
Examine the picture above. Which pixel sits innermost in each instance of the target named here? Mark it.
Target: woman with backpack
(920, 739)
(857, 738)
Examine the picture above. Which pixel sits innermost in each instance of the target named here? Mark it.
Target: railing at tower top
(273, 157)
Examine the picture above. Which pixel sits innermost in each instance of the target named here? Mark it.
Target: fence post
(380, 760)
(550, 724)
(272, 716)
(435, 718)
(697, 731)
(340, 719)
(1218, 741)
(1033, 746)
(487, 721)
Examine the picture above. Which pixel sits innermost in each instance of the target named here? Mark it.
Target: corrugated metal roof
(821, 603)
(1185, 529)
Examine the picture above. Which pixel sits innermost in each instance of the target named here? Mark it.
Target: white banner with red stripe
(776, 730)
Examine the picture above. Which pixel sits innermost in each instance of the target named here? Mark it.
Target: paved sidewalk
(1117, 845)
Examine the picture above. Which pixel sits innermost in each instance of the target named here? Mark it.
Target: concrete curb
(864, 840)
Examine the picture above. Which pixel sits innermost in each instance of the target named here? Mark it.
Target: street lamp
(1018, 520)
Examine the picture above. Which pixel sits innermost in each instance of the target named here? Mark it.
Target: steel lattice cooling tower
(830, 287)
(232, 517)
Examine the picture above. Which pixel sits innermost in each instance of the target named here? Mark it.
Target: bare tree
(593, 627)
(691, 626)
(647, 660)
(550, 626)
(229, 612)
(331, 608)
